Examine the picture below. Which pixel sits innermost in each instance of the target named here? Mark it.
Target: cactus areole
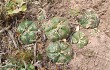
(89, 19)
(27, 30)
(57, 28)
(59, 52)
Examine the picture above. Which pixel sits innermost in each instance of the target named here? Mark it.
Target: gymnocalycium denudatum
(89, 19)
(56, 28)
(79, 38)
(59, 52)
(27, 30)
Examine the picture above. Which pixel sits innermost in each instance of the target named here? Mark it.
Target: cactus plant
(27, 30)
(59, 52)
(15, 6)
(89, 19)
(56, 29)
(79, 38)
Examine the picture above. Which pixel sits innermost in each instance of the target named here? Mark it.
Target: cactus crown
(80, 39)
(27, 30)
(59, 52)
(89, 19)
(56, 29)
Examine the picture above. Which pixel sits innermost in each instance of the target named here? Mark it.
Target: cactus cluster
(27, 30)
(57, 29)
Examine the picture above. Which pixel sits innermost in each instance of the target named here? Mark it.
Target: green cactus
(56, 29)
(27, 30)
(80, 39)
(59, 52)
(89, 19)
(15, 6)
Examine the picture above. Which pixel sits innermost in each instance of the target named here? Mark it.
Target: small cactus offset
(89, 19)
(59, 52)
(27, 30)
(56, 29)
(15, 6)
(80, 39)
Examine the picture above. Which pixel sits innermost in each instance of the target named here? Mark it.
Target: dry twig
(4, 29)
(35, 47)
(12, 38)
